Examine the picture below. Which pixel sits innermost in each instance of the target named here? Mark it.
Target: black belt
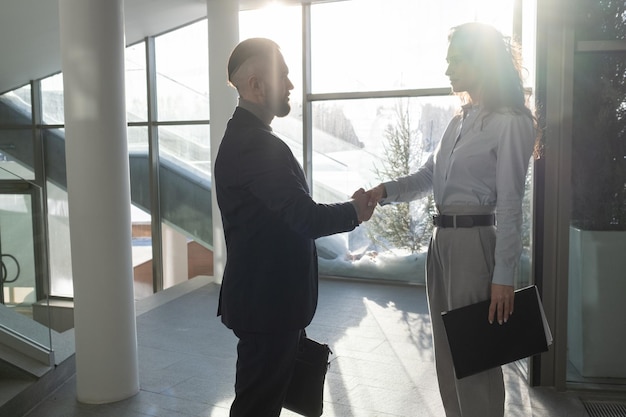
(464, 220)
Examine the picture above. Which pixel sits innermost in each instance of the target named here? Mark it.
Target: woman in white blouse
(477, 176)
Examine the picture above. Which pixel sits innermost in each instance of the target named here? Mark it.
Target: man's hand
(361, 202)
(502, 299)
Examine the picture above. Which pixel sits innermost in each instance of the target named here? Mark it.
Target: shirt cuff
(391, 189)
(503, 275)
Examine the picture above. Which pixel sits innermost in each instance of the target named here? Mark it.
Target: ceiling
(29, 30)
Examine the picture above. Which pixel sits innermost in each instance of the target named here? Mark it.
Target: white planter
(597, 303)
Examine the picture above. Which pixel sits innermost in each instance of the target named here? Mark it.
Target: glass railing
(24, 306)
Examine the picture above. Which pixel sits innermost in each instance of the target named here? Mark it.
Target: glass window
(598, 220)
(366, 46)
(187, 146)
(525, 274)
(355, 144)
(282, 24)
(61, 284)
(137, 138)
(54, 143)
(142, 252)
(289, 129)
(139, 166)
(182, 66)
(18, 262)
(141, 218)
(599, 141)
(396, 44)
(52, 100)
(136, 82)
(352, 138)
(16, 154)
(600, 20)
(60, 255)
(184, 175)
(16, 107)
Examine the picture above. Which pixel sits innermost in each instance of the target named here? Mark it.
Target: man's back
(270, 279)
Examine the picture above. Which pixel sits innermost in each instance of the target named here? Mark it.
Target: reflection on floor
(382, 364)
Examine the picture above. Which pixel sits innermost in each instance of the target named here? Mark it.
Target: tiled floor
(382, 364)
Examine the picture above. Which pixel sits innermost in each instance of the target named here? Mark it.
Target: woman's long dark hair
(498, 61)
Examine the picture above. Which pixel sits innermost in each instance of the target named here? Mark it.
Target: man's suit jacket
(270, 281)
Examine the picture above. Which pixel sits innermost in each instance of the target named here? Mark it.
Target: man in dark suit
(270, 284)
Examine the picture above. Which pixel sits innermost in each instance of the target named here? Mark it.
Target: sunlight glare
(379, 44)
(282, 24)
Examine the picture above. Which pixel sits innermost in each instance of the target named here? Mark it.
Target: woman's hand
(502, 300)
(376, 194)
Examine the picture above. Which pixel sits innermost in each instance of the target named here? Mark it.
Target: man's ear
(256, 85)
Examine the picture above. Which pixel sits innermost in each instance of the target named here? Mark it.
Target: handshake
(365, 201)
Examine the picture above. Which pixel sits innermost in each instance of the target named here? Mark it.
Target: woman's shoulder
(508, 117)
(510, 113)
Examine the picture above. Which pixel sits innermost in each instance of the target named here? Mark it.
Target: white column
(92, 49)
(223, 23)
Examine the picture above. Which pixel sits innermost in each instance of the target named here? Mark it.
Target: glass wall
(52, 105)
(17, 252)
(16, 139)
(353, 139)
(389, 45)
(182, 92)
(283, 24)
(136, 85)
(360, 143)
(596, 336)
(600, 20)
(22, 281)
(16, 107)
(182, 73)
(59, 248)
(364, 85)
(16, 154)
(374, 66)
(180, 130)
(138, 148)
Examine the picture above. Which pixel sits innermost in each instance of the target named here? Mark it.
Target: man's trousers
(265, 363)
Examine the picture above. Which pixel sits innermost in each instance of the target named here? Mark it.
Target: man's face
(277, 86)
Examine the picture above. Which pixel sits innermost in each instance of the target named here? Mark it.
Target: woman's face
(463, 74)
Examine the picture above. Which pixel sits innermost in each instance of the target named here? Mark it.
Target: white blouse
(481, 160)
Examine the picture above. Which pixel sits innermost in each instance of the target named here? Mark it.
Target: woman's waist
(465, 209)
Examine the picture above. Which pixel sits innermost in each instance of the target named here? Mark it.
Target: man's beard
(283, 109)
(280, 106)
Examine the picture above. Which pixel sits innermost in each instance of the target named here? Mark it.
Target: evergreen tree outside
(406, 226)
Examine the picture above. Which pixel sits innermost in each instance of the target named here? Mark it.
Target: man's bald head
(258, 71)
(247, 56)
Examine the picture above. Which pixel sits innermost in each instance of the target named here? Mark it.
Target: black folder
(477, 345)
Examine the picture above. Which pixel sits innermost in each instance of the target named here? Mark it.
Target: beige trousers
(459, 270)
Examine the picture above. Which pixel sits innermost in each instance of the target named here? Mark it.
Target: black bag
(305, 394)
